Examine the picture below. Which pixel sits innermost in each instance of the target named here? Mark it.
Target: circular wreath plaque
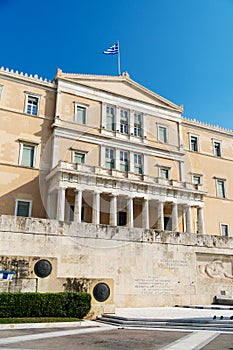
(43, 268)
(101, 292)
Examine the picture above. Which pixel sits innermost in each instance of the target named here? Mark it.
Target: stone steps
(224, 324)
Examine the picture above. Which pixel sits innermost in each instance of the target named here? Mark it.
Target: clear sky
(180, 49)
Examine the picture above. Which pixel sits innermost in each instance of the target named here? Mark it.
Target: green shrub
(44, 304)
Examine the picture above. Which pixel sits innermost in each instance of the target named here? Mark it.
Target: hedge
(44, 304)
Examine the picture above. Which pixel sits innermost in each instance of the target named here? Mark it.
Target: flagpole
(119, 59)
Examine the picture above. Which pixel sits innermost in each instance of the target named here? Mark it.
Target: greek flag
(112, 50)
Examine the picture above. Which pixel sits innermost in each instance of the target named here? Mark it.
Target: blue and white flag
(112, 50)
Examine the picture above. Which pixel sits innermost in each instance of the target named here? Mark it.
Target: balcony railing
(77, 168)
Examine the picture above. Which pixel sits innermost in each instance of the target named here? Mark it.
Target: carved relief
(214, 269)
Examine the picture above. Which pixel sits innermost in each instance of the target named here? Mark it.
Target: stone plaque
(43, 268)
(101, 292)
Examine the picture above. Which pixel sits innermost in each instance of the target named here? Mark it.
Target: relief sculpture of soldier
(214, 269)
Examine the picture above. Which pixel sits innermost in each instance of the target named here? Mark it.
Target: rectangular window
(162, 133)
(32, 105)
(221, 191)
(79, 157)
(80, 114)
(23, 208)
(217, 148)
(164, 172)
(109, 158)
(138, 163)
(137, 125)
(124, 163)
(194, 143)
(197, 179)
(110, 118)
(124, 122)
(224, 230)
(27, 155)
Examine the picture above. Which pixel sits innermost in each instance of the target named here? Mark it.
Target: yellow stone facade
(105, 150)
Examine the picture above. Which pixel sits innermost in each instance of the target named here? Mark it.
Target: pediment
(122, 86)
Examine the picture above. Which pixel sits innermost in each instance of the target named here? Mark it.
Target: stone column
(145, 214)
(78, 206)
(174, 217)
(103, 115)
(117, 120)
(61, 203)
(96, 208)
(160, 216)
(200, 219)
(188, 219)
(130, 218)
(113, 211)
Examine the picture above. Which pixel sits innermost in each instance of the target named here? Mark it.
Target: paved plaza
(92, 335)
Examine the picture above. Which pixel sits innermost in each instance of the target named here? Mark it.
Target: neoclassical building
(106, 150)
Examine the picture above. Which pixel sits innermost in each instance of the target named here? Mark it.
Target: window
(221, 191)
(217, 148)
(196, 179)
(224, 228)
(164, 172)
(124, 163)
(110, 118)
(79, 157)
(124, 122)
(27, 155)
(80, 115)
(194, 143)
(137, 125)
(23, 208)
(138, 163)
(162, 133)
(32, 105)
(109, 158)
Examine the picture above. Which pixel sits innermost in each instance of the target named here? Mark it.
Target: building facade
(106, 152)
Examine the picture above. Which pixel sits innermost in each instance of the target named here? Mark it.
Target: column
(200, 219)
(117, 120)
(54, 150)
(131, 162)
(113, 211)
(145, 214)
(160, 216)
(78, 206)
(174, 217)
(48, 206)
(131, 122)
(189, 219)
(130, 219)
(103, 115)
(61, 203)
(96, 208)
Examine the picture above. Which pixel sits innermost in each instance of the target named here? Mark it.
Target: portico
(98, 198)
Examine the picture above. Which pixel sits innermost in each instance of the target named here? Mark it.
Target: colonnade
(113, 211)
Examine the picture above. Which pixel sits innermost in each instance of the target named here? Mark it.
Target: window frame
(112, 161)
(223, 181)
(17, 206)
(214, 141)
(124, 121)
(197, 142)
(83, 107)
(228, 229)
(74, 152)
(123, 162)
(167, 169)
(200, 176)
(138, 166)
(137, 128)
(165, 128)
(21, 148)
(113, 117)
(32, 95)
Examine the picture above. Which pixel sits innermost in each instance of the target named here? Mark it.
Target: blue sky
(180, 49)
